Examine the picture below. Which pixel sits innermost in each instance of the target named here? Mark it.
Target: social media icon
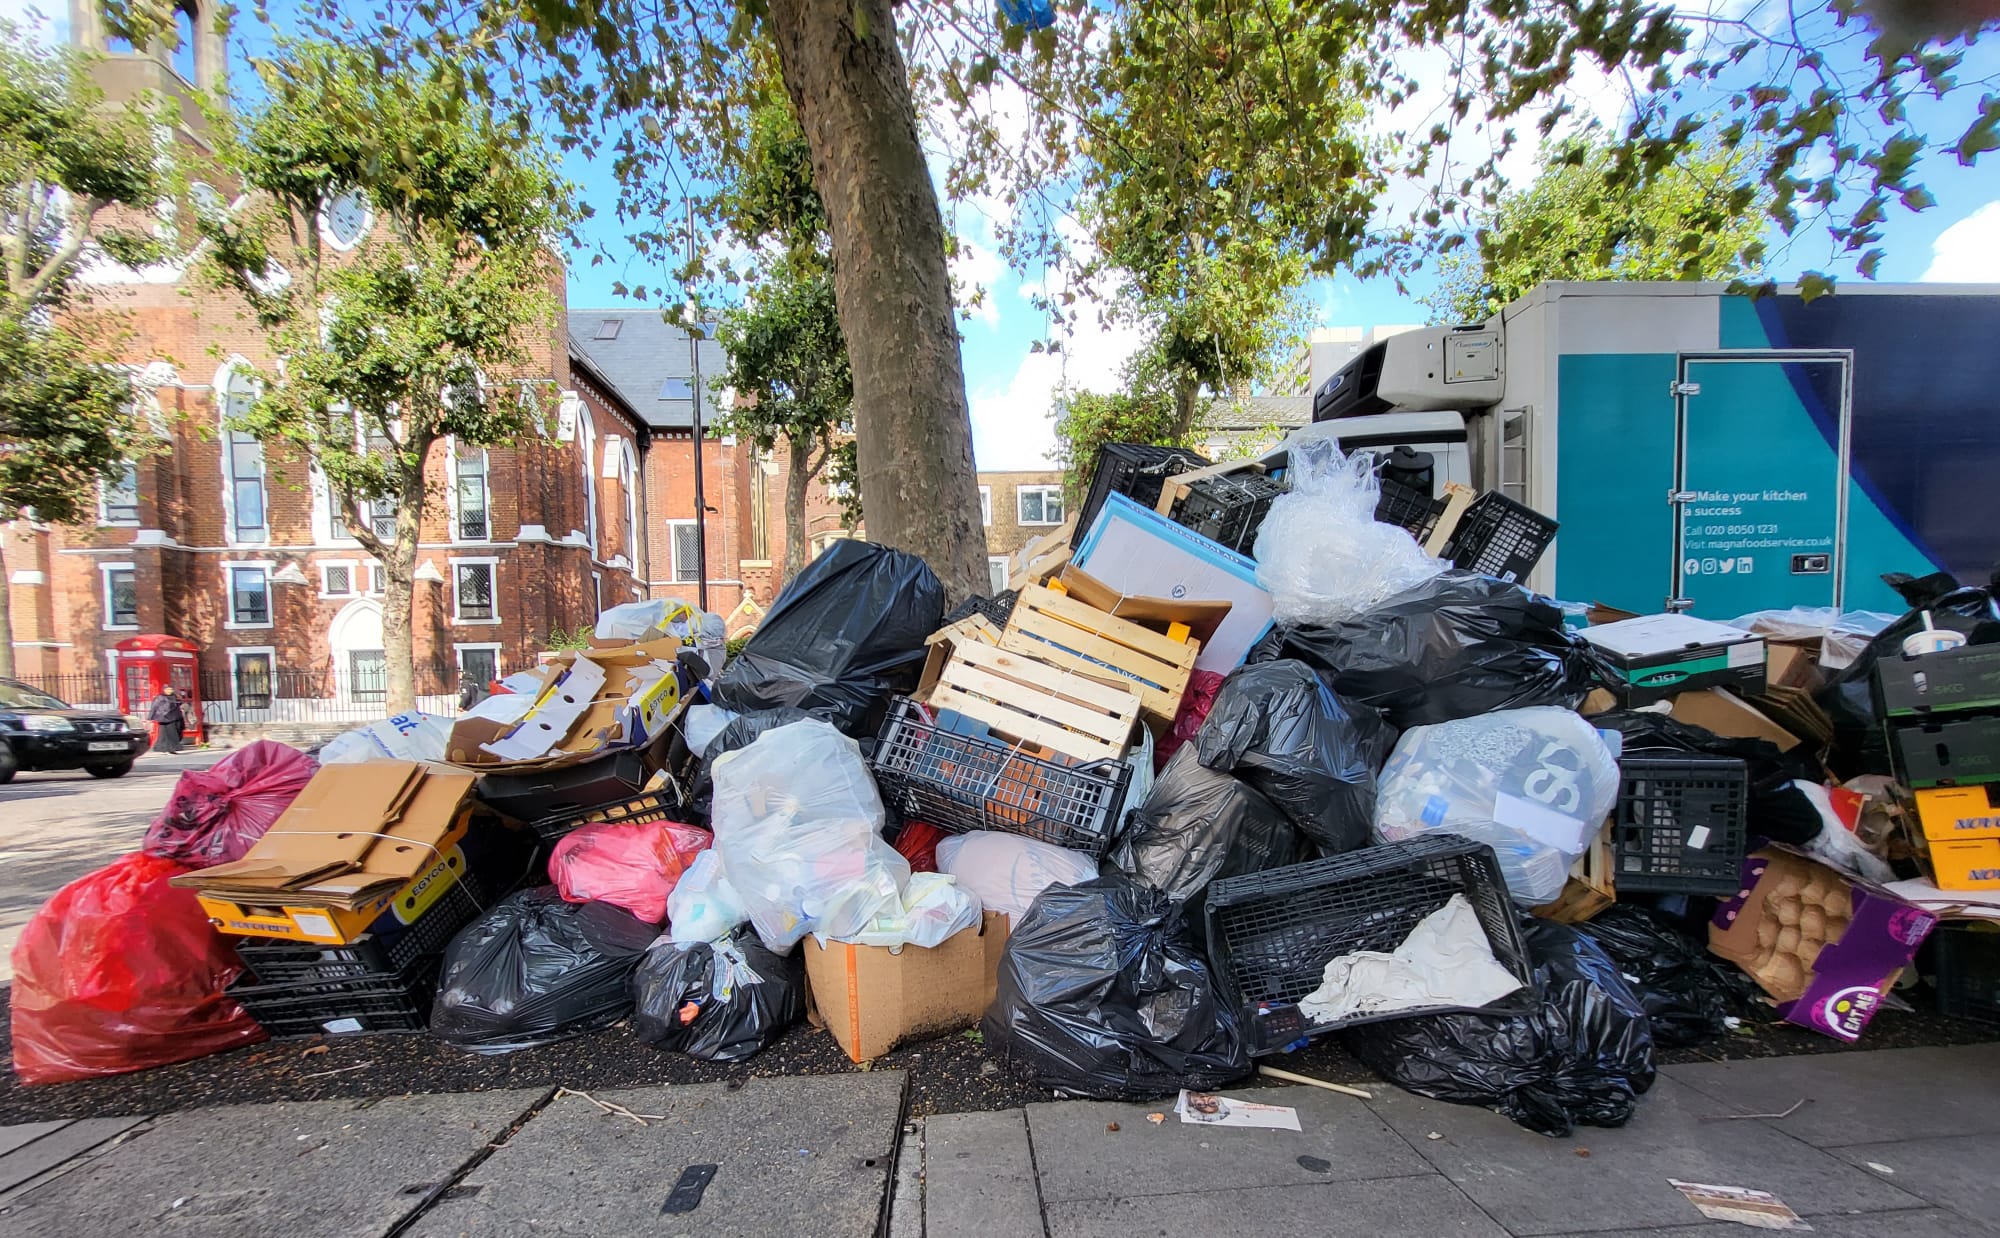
(1743, 565)
(1727, 566)
(1708, 567)
(1691, 567)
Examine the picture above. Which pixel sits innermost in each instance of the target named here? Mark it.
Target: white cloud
(1968, 252)
(43, 21)
(1011, 426)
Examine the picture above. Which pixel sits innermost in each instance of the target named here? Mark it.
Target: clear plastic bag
(1534, 784)
(933, 908)
(703, 905)
(798, 823)
(1006, 871)
(1321, 553)
(704, 723)
(412, 736)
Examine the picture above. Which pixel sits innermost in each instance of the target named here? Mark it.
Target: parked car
(38, 731)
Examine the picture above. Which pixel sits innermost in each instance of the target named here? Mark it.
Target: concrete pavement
(55, 827)
(1890, 1142)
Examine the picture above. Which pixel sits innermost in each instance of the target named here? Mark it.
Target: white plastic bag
(638, 621)
(933, 908)
(1843, 634)
(1321, 554)
(798, 823)
(1006, 872)
(412, 736)
(1535, 784)
(704, 723)
(703, 906)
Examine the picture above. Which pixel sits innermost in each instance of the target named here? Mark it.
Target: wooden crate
(1457, 499)
(973, 629)
(1589, 889)
(1067, 634)
(1078, 715)
(1042, 557)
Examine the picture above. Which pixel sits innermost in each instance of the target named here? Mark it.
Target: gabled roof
(647, 364)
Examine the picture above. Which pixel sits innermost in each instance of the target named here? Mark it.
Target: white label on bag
(1698, 838)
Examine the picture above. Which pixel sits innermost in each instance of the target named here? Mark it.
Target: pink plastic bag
(1195, 704)
(633, 865)
(120, 972)
(216, 814)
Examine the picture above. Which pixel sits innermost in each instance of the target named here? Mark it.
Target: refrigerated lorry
(1712, 453)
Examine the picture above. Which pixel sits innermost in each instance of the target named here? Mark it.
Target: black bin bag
(1458, 645)
(1197, 825)
(1859, 745)
(536, 970)
(1280, 728)
(1688, 993)
(719, 1001)
(1582, 1057)
(1102, 995)
(845, 634)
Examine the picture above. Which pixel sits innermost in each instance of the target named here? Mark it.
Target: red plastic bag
(918, 844)
(216, 814)
(121, 972)
(1195, 704)
(633, 865)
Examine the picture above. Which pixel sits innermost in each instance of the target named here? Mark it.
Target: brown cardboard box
(1793, 664)
(1201, 618)
(1728, 714)
(872, 998)
(588, 736)
(356, 832)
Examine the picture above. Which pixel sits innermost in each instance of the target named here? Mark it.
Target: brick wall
(1005, 533)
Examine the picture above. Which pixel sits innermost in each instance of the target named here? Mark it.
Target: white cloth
(1445, 961)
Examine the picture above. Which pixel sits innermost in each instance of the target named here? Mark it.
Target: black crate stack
(1135, 469)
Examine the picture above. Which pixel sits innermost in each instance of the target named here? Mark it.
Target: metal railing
(252, 696)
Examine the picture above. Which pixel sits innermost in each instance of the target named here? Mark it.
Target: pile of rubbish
(1248, 753)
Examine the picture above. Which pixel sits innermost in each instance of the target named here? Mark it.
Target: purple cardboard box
(1843, 987)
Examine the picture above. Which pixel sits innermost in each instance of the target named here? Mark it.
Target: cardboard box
(1966, 863)
(1660, 656)
(1142, 552)
(1160, 614)
(384, 918)
(1947, 813)
(1793, 664)
(1827, 946)
(1949, 750)
(632, 705)
(1954, 680)
(872, 998)
(1727, 714)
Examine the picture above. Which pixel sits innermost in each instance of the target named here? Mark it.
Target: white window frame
(375, 578)
(998, 582)
(104, 571)
(224, 379)
(1021, 492)
(229, 570)
(628, 480)
(355, 580)
(674, 551)
(492, 564)
(104, 519)
(235, 688)
(458, 656)
(325, 223)
(986, 506)
(486, 479)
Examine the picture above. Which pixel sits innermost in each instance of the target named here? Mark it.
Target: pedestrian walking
(169, 719)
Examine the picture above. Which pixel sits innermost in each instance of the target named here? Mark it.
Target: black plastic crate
(961, 783)
(1680, 825)
(1409, 508)
(341, 1007)
(1135, 469)
(646, 806)
(1228, 510)
(997, 608)
(534, 794)
(272, 961)
(1271, 934)
(1499, 537)
(1967, 962)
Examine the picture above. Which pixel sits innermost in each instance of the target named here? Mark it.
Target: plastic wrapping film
(1582, 1057)
(1533, 784)
(845, 634)
(1102, 994)
(720, 1001)
(216, 814)
(1197, 825)
(1456, 646)
(535, 970)
(1277, 726)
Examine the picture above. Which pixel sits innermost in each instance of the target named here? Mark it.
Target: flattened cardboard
(1202, 618)
(1725, 713)
(873, 999)
(599, 726)
(1143, 552)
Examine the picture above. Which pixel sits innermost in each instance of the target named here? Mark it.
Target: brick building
(1017, 507)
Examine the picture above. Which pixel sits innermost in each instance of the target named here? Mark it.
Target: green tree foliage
(416, 336)
(1576, 223)
(68, 169)
(1087, 420)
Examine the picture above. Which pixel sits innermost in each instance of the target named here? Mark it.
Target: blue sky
(1009, 385)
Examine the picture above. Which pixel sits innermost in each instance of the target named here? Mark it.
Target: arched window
(244, 496)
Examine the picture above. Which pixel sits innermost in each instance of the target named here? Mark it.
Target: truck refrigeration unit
(1706, 452)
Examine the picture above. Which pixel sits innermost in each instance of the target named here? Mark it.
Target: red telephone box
(146, 664)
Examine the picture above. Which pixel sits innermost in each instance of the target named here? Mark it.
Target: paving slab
(12, 1137)
(1535, 1185)
(52, 1148)
(323, 1169)
(1863, 1097)
(1078, 1157)
(1922, 1223)
(979, 1177)
(1420, 1207)
(1955, 1172)
(799, 1156)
